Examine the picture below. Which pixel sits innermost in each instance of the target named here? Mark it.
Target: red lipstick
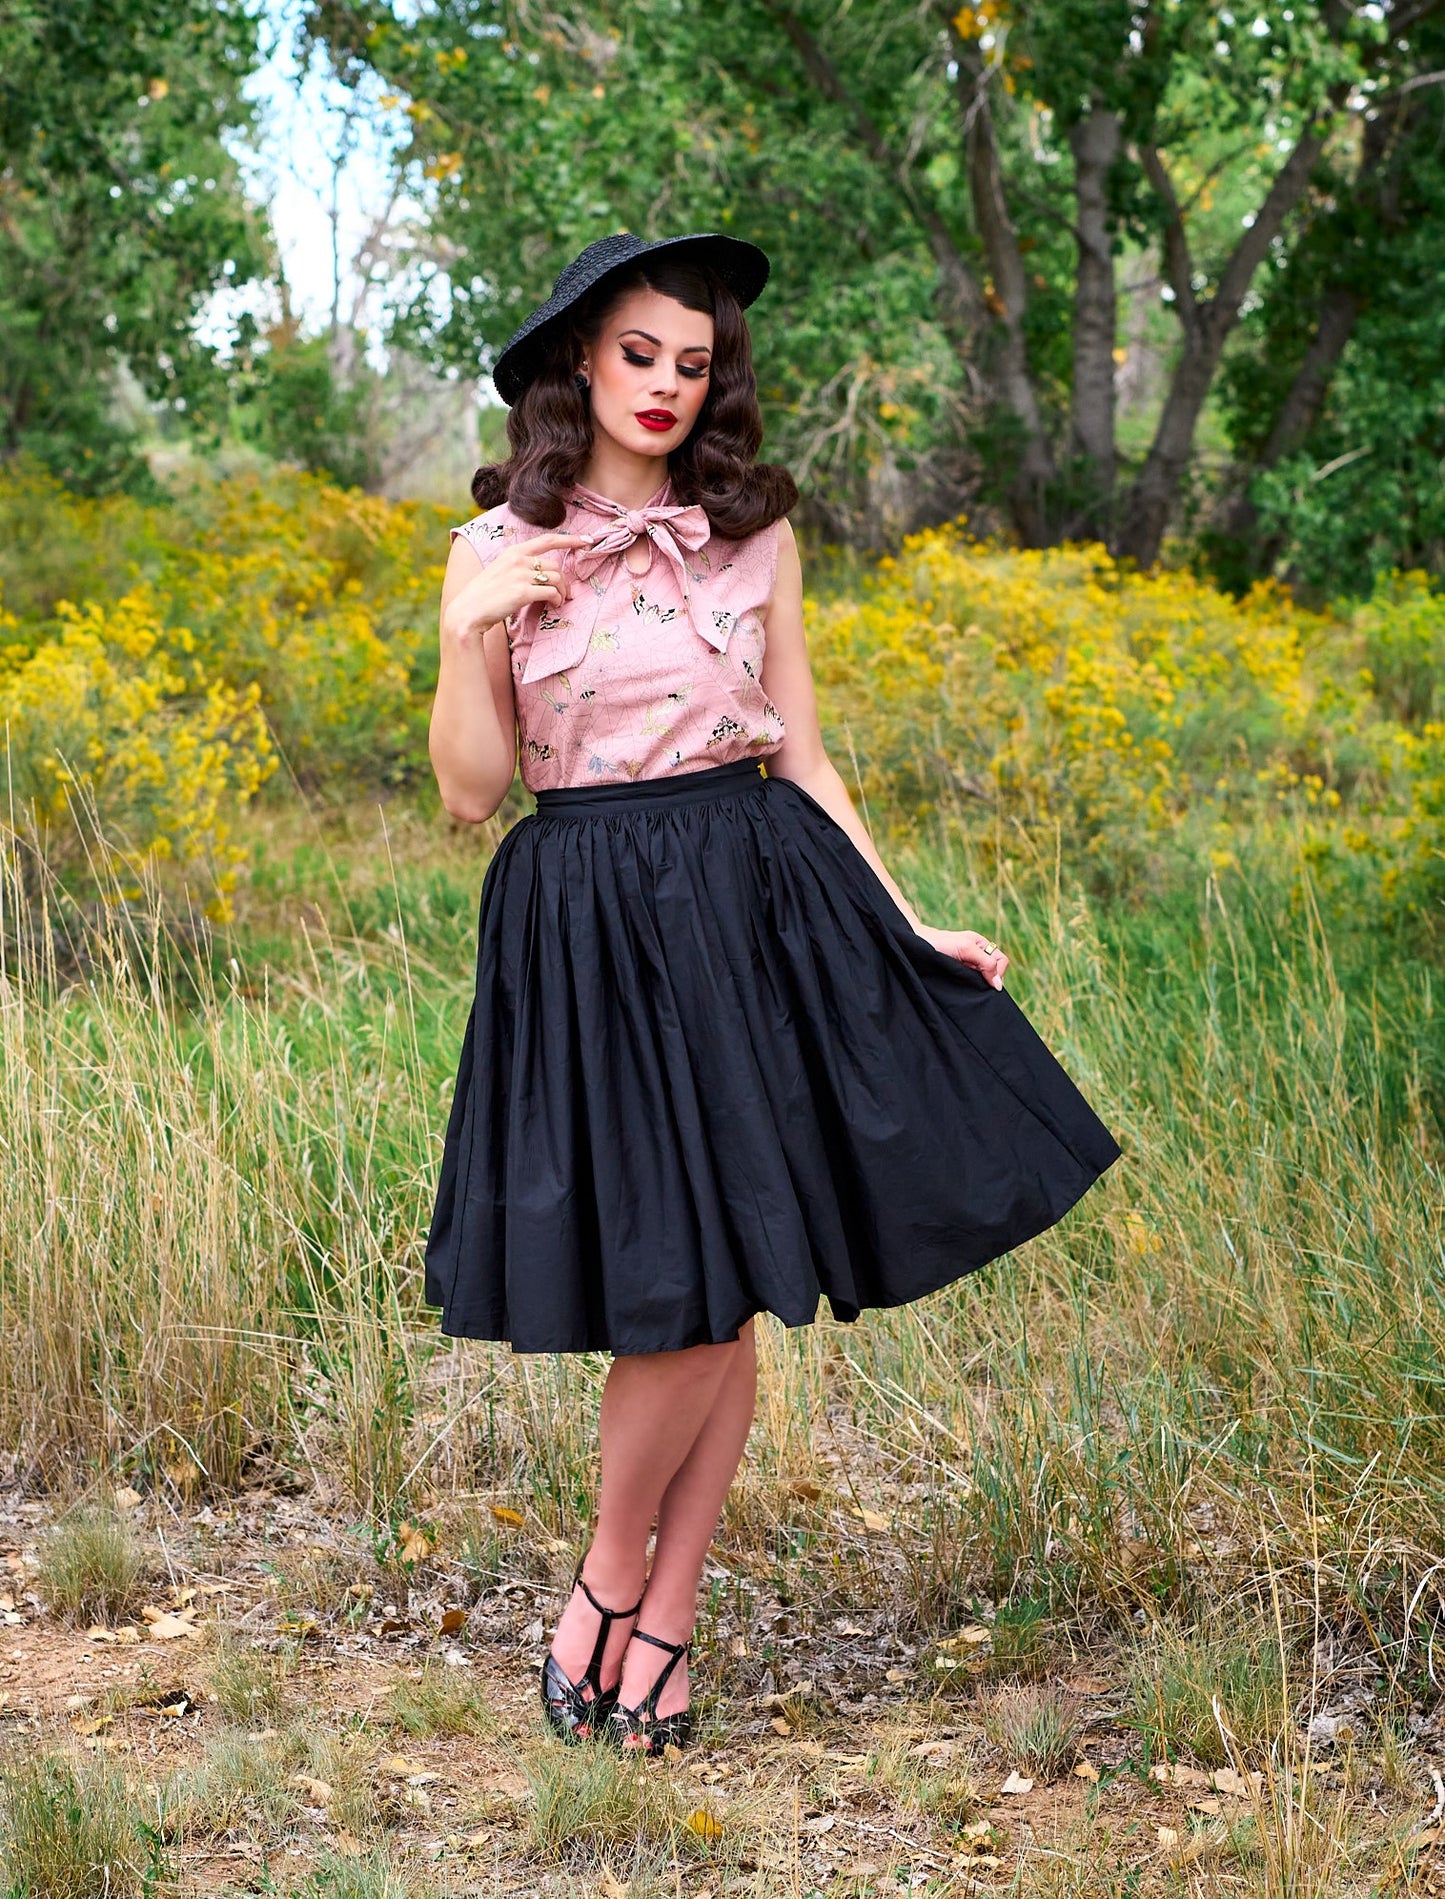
(658, 419)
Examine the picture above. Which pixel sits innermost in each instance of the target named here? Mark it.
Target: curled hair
(549, 426)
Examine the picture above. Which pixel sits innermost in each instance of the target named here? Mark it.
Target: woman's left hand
(967, 946)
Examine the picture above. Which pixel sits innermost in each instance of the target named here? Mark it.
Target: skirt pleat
(710, 1070)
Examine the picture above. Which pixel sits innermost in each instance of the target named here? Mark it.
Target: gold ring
(989, 949)
(537, 573)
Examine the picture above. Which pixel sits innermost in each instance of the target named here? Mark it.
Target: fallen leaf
(1017, 1783)
(806, 1492)
(870, 1519)
(611, 1888)
(171, 1701)
(126, 1498)
(705, 1825)
(165, 1627)
(1168, 1837)
(505, 1514)
(398, 1764)
(94, 1725)
(1205, 1805)
(976, 1635)
(415, 1543)
(1086, 1770)
(977, 1829)
(452, 1620)
(1173, 1774)
(1224, 1780)
(781, 1726)
(317, 1792)
(898, 1674)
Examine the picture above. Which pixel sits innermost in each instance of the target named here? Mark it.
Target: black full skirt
(710, 1070)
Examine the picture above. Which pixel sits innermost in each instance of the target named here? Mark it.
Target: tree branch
(1178, 262)
(963, 291)
(1001, 246)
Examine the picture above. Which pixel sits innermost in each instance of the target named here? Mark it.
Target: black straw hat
(743, 267)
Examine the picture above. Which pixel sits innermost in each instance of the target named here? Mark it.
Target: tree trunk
(1028, 491)
(1206, 326)
(1340, 307)
(1095, 143)
(1300, 410)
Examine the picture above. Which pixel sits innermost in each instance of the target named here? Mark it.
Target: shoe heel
(643, 1722)
(570, 1713)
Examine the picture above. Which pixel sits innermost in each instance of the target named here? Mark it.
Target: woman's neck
(619, 475)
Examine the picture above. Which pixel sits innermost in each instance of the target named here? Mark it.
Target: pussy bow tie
(561, 635)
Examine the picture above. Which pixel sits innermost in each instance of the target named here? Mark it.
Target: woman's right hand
(508, 583)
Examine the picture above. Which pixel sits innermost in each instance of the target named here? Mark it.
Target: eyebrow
(656, 343)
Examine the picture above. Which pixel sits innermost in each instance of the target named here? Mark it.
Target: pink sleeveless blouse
(646, 670)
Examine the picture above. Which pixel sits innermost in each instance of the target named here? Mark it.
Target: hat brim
(742, 266)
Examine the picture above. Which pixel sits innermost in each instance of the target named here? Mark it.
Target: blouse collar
(656, 499)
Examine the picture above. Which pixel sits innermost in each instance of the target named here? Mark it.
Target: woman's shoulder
(749, 564)
(486, 534)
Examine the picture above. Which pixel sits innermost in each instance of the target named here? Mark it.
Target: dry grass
(91, 1566)
(1165, 1488)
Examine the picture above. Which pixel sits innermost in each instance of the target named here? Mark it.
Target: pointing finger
(556, 538)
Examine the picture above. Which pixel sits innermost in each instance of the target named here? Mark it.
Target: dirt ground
(832, 1756)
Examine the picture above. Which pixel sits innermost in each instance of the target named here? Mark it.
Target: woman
(716, 1064)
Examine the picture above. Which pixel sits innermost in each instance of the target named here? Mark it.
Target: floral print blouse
(652, 666)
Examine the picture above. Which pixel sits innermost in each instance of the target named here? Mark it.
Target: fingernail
(998, 982)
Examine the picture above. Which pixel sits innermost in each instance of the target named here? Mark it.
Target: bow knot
(560, 645)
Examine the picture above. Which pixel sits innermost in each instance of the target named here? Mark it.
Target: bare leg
(686, 1519)
(653, 1407)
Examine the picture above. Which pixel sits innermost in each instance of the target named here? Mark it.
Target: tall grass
(1224, 1366)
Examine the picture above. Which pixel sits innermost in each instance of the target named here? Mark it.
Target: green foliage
(641, 114)
(294, 407)
(123, 212)
(1354, 488)
(838, 138)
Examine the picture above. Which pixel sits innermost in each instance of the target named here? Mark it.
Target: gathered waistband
(691, 787)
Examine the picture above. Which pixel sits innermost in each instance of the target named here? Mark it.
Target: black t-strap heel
(644, 1722)
(569, 1712)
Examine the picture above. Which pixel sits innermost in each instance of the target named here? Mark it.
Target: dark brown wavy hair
(549, 426)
